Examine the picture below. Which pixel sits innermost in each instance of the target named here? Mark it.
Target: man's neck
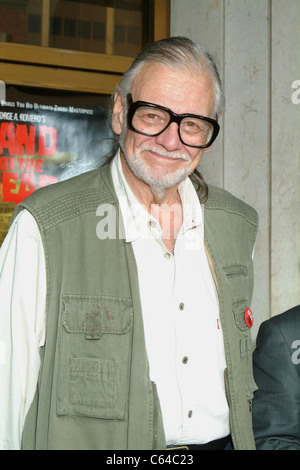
(166, 210)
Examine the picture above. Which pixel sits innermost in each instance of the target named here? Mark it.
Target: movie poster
(41, 144)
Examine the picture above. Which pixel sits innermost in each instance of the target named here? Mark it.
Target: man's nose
(169, 138)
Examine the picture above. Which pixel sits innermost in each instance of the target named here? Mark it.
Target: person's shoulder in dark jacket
(276, 366)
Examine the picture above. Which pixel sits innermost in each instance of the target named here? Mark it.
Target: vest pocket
(239, 308)
(94, 351)
(235, 270)
(91, 383)
(239, 279)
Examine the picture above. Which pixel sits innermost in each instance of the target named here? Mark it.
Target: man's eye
(190, 124)
(151, 116)
(195, 126)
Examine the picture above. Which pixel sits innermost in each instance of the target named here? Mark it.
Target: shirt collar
(135, 217)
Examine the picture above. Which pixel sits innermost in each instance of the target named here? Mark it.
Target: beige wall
(256, 44)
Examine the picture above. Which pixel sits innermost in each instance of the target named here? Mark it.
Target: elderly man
(131, 328)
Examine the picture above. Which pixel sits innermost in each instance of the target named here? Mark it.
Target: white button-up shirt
(180, 312)
(181, 317)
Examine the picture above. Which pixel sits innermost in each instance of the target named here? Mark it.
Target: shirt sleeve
(22, 324)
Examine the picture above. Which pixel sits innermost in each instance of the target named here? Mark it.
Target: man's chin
(163, 179)
(158, 175)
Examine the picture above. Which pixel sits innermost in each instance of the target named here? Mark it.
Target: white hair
(177, 53)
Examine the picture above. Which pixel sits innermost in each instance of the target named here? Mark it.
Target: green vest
(94, 390)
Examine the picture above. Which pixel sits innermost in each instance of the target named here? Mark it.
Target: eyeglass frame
(133, 106)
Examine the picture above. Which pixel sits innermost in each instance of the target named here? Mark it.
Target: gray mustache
(162, 153)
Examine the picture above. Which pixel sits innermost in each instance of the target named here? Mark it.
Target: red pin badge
(248, 317)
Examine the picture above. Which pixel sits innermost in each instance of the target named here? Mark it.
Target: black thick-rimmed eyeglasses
(152, 119)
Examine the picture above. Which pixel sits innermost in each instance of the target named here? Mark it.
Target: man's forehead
(158, 83)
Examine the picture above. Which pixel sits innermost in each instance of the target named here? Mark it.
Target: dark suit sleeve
(276, 404)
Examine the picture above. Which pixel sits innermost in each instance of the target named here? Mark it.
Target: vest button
(181, 306)
(185, 360)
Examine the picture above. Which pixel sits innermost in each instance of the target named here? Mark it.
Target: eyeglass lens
(152, 121)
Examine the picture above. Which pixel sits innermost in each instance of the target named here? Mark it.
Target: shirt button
(185, 360)
(190, 414)
(181, 306)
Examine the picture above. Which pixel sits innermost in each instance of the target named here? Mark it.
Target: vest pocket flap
(95, 315)
(235, 270)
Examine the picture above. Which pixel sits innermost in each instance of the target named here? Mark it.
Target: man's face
(163, 161)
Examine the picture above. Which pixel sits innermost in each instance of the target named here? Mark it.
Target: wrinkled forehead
(180, 89)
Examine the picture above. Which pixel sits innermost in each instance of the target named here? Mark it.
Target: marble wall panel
(285, 138)
(246, 137)
(202, 21)
(256, 157)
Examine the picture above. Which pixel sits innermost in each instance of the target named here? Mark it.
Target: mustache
(164, 153)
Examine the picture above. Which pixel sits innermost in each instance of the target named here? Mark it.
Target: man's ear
(117, 119)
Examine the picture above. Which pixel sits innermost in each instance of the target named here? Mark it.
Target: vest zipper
(155, 415)
(214, 275)
(226, 395)
(212, 268)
